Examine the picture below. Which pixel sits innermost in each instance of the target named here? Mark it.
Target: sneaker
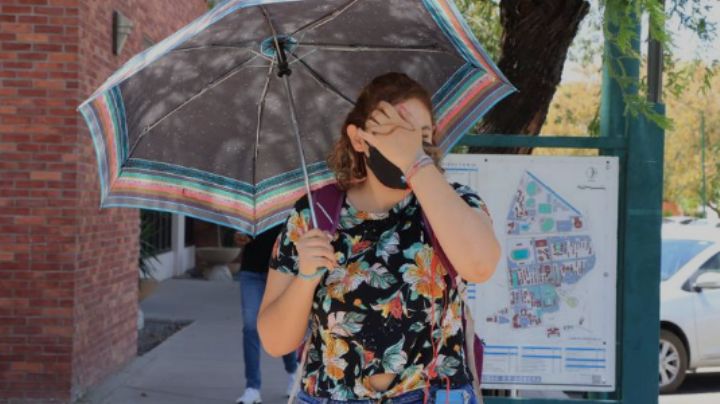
(292, 377)
(251, 396)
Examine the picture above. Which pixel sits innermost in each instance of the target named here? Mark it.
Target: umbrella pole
(293, 118)
(284, 73)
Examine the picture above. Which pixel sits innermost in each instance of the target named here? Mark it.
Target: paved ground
(202, 363)
(700, 388)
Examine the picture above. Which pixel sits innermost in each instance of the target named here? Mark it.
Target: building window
(189, 231)
(160, 235)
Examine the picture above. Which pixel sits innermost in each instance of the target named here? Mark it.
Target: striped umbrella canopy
(231, 118)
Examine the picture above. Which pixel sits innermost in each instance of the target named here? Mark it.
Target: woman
(373, 313)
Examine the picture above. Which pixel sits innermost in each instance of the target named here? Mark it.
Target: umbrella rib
(251, 50)
(261, 104)
(323, 83)
(373, 48)
(238, 45)
(210, 86)
(326, 18)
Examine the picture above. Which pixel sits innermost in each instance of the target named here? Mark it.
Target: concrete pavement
(201, 363)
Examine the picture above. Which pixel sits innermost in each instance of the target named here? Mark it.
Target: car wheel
(673, 362)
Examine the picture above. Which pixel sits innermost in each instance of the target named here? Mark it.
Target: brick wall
(68, 274)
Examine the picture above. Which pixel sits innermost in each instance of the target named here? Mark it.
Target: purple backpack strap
(477, 344)
(328, 202)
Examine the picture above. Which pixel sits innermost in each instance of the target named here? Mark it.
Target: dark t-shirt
(372, 313)
(256, 253)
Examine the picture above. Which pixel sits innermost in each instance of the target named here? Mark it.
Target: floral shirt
(372, 313)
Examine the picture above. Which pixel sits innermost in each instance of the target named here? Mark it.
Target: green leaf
(447, 365)
(417, 327)
(381, 278)
(394, 358)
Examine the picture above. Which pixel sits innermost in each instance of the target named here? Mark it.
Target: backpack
(328, 201)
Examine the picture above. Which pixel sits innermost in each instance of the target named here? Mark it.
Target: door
(707, 312)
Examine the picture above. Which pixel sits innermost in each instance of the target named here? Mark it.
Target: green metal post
(638, 222)
(702, 163)
(613, 122)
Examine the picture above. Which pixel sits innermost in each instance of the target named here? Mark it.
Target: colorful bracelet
(318, 273)
(421, 162)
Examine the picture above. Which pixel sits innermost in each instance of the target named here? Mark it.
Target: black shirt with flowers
(372, 313)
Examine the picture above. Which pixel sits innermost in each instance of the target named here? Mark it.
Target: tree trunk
(536, 38)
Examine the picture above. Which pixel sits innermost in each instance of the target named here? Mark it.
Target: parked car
(689, 302)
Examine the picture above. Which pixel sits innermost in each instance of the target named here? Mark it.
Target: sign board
(547, 315)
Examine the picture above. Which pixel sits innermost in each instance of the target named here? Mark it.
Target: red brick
(17, 65)
(15, 9)
(62, 57)
(17, 83)
(30, 220)
(33, 19)
(48, 47)
(50, 10)
(64, 255)
(32, 37)
(13, 46)
(49, 29)
(32, 56)
(17, 28)
(27, 367)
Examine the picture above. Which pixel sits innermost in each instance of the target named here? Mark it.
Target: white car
(689, 302)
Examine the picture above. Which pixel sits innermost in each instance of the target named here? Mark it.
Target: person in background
(253, 276)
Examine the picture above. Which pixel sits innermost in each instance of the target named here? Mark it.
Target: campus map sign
(548, 313)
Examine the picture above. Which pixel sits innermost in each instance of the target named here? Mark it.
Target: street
(699, 388)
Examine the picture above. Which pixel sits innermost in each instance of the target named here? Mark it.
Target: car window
(713, 264)
(677, 252)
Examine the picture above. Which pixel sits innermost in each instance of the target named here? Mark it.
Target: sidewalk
(201, 363)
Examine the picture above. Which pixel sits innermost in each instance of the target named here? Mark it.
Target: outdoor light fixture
(122, 27)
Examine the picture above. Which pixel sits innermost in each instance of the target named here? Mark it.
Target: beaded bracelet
(318, 273)
(421, 162)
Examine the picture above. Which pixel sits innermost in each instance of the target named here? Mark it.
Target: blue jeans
(411, 397)
(252, 288)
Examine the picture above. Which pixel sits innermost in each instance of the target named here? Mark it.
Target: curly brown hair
(349, 165)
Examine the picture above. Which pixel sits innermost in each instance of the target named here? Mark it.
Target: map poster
(547, 315)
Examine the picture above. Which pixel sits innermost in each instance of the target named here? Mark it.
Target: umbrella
(231, 118)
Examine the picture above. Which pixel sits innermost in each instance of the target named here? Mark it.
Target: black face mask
(385, 171)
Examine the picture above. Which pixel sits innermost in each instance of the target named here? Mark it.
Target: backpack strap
(474, 347)
(328, 203)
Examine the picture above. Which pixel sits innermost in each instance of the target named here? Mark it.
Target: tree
(536, 35)
(683, 165)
